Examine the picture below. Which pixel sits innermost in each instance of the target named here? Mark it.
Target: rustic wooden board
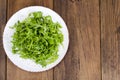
(2, 53)
(93, 54)
(82, 61)
(13, 72)
(110, 39)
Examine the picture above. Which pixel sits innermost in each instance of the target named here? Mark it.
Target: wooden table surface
(94, 50)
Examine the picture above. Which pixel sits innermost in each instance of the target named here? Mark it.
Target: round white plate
(27, 64)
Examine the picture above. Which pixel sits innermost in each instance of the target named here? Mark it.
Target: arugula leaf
(37, 38)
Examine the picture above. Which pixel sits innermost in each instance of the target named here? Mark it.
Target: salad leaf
(37, 38)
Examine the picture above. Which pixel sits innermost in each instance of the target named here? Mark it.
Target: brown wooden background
(94, 50)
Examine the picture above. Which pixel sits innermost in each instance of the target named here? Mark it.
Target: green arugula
(37, 38)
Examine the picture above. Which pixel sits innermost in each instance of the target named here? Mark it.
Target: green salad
(37, 38)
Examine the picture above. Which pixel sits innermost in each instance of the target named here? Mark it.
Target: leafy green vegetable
(37, 38)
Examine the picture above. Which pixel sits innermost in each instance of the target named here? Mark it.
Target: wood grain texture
(2, 53)
(110, 39)
(89, 24)
(13, 72)
(82, 61)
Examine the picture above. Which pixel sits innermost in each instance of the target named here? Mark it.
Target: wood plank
(2, 53)
(14, 6)
(110, 39)
(14, 72)
(47, 3)
(82, 61)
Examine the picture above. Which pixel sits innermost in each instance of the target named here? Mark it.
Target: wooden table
(94, 50)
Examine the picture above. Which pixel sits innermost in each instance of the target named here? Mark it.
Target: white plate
(27, 64)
